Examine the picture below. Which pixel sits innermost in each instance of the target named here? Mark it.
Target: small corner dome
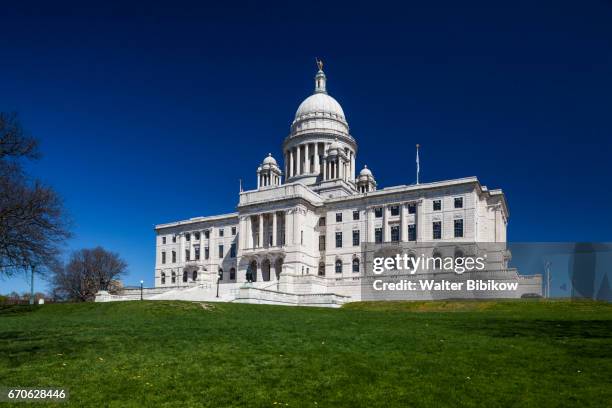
(365, 171)
(270, 160)
(319, 103)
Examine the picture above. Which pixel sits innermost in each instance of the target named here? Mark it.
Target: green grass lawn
(431, 354)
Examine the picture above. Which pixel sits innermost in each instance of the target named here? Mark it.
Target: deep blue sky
(151, 113)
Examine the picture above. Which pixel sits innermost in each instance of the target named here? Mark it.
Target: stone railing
(282, 192)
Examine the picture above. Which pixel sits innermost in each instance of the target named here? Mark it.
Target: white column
(248, 231)
(181, 254)
(370, 215)
(324, 170)
(403, 225)
(352, 166)
(274, 237)
(419, 221)
(241, 236)
(385, 226)
(288, 228)
(290, 174)
(261, 241)
(317, 168)
(307, 158)
(286, 163)
(299, 162)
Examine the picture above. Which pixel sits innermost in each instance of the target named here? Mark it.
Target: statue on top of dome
(319, 64)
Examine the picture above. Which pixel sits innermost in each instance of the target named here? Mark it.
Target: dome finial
(320, 79)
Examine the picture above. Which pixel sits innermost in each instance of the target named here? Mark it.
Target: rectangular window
(206, 253)
(233, 251)
(412, 232)
(458, 228)
(164, 240)
(355, 237)
(173, 256)
(233, 274)
(395, 210)
(437, 205)
(207, 234)
(338, 240)
(355, 215)
(395, 233)
(322, 222)
(188, 237)
(221, 232)
(197, 236)
(412, 208)
(458, 202)
(378, 212)
(437, 230)
(196, 249)
(163, 257)
(220, 251)
(378, 235)
(321, 242)
(301, 237)
(174, 239)
(338, 217)
(187, 255)
(233, 230)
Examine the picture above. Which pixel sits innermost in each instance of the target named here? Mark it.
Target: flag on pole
(418, 168)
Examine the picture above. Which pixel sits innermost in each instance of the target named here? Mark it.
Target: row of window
(437, 229)
(457, 202)
(196, 235)
(378, 213)
(395, 234)
(194, 276)
(338, 266)
(196, 250)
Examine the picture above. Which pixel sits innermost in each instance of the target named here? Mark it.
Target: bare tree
(13, 140)
(32, 218)
(87, 272)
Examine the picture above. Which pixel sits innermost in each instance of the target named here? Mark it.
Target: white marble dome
(365, 171)
(319, 103)
(270, 160)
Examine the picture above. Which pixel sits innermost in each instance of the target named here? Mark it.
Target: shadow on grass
(12, 310)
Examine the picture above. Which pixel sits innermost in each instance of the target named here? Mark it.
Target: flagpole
(417, 163)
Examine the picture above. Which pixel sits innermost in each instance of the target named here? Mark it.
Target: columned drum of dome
(319, 147)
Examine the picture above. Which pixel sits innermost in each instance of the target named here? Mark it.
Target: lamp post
(219, 276)
(32, 285)
(548, 279)
(141, 287)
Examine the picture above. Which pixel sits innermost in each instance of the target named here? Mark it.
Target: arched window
(233, 274)
(322, 269)
(194, 276)
(184, 276)
(356, 265)
(173, 277)
(163, 278)
(338, 266)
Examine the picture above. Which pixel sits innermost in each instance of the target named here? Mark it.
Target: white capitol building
(298, 238)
